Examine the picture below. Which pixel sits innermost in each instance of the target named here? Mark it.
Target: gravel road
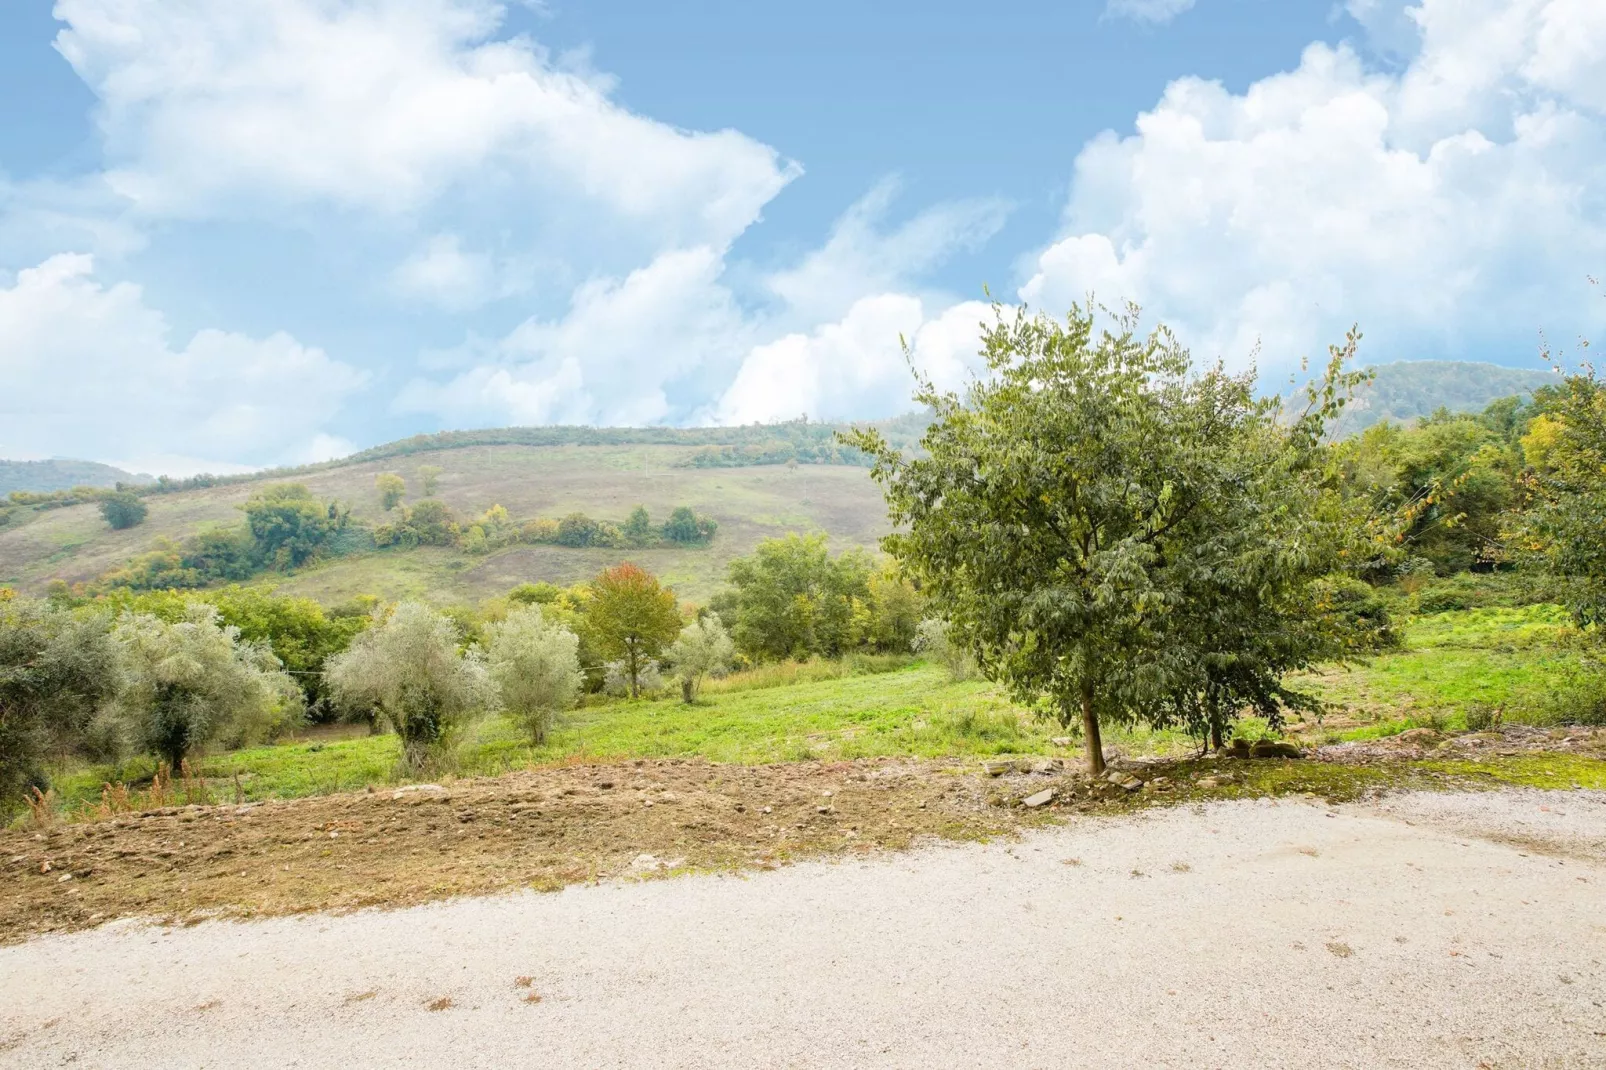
(1425, 931)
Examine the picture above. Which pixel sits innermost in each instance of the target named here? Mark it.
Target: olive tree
(58, 669)
(408, 666)
(194, 681)
(1091, 515)
(535, 664)
(703, 649)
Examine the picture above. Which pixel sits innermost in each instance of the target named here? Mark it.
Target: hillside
(1407, 389)
(750, 502)
(46, 476)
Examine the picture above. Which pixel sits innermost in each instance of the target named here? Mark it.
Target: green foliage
(195, 681)
(791, 598)
(57, 669)
(408, 667)
(577, 529)
(932, 641)
(687, 528)
(428, 523)
(1118, 536)
(703, 649)
(535, 666)
(638, 529)
(429, 477)
(1409, 389)
(392, 489)
(203, 559)
(1451, 478)
(123, 509)
(534, 594)
(289, 526)
(631, 617)
(1562, 532)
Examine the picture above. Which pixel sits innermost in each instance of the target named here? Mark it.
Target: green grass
(914, 711)
(1514, 659)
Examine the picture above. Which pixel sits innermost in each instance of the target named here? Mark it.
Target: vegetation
(535, 666)
(1409, 389)
(703, 649)
(631, 617)
(408, 667)
(53, 475)
(194, 681)
(392, 489)
(1562, 531)
(1120, 537)
(123, 509)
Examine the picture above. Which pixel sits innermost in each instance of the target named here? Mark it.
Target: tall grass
(787, 673)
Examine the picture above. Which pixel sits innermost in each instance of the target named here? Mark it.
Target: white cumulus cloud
(1456, 204)
(90, 370)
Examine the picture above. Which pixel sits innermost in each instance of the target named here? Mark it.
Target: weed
(444, 1003)
(1482, 717)
(41, 807)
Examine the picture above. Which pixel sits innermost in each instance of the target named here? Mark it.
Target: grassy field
(605, 482)
(1511, 659)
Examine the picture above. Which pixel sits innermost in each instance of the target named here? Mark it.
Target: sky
(275, 231)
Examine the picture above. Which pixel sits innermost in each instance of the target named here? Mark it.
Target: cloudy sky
(272, 231)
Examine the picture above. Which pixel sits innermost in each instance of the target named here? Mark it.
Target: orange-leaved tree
(631, 616)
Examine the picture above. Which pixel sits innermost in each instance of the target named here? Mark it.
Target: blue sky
(268, 232)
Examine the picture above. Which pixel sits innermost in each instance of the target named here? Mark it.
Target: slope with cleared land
(750, 503)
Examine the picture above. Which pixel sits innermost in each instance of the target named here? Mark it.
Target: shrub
(535, 665)
(392, 489)
(686, 527)
(407, 667)
(617, 681)
(932, 640)
(194, 681)
(703, 649)
(123, 510)
(1481, 717)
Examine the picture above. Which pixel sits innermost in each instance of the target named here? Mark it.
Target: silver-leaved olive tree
(1119, 536)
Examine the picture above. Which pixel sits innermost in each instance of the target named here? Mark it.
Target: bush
(288, 525)
(123, 510)
(535, 665)
(392, 489)
(407, 667)
(686, 527)
(703, 649)
(933, 641)
(195, 681)
(1482, 717)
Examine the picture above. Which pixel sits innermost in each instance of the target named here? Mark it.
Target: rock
(645, 863)
(1268, 748)
(1123, 780)
(1042, 798)
(1227, 778)
(1159, 783)
(1208, 782)
(1048, 765)
(822, 809)
(411, 789)
(1061, 741)
(1239, 748)
(999, 766)
(1419, 735)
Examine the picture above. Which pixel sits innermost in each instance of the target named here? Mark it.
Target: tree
(577, 529)
(194, 681)
(535, 665)
(1560, 530)
(289, 525)
(632, 617)
(407, 666)
(429, 477)
(392, 489)
(123, 509)
(931, 640)
(1088, 515)
(638, 529)
(703, 649)
(432, 523)
(686, 527)
(791, 598)
(58, 668)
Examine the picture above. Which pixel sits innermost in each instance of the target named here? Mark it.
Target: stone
(999, 766)
(1208, 782)
(1269, 748)
(1061, 741)
(1419, 735)
(1042, 798)
(1048, 765)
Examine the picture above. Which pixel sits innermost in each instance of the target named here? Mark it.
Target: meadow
(1520, 661)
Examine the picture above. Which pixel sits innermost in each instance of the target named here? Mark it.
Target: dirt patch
(542, 829)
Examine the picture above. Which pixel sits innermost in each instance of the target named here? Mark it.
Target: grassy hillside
(1408, 389)
(750, 503)
(46, 476)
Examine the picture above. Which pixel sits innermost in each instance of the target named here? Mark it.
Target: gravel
(1424, 931)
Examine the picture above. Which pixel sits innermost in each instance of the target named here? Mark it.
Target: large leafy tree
(631, 616)
(289, 525)
(1104, 526)
(791, 598)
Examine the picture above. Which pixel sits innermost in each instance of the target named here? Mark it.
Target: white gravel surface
(1429, 931)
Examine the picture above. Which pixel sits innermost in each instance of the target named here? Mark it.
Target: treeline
(432, 523)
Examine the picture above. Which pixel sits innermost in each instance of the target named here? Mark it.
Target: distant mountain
(1410, 388)
(44, 476)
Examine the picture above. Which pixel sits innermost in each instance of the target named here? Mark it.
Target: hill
(750, 501)
(46, 476)
(1407, 389)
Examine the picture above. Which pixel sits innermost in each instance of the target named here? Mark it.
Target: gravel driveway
(1426, 931)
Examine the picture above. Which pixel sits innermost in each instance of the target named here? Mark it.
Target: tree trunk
(688, 690)
(630, 663)
(1215, 731)
(1090, 733)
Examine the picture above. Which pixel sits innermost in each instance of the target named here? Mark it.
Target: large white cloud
(90, 370)
(1454, 206)
(385, 105)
